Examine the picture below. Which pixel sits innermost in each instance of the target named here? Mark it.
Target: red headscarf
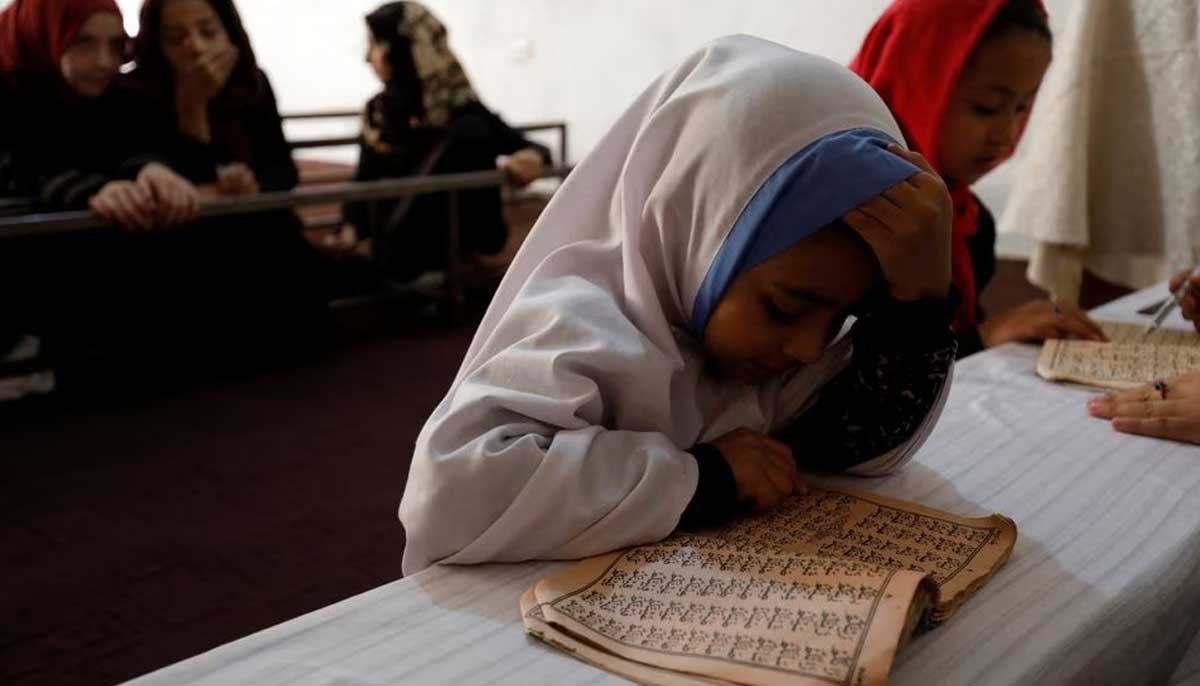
(34, 34)
(914, 56)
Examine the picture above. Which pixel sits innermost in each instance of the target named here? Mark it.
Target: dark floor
(140, 527)
(143, 527)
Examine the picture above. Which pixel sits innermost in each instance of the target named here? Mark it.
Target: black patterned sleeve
(903, 356)
(716, 498)
(21, 175)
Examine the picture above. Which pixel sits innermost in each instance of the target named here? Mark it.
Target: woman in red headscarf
(67, 139)
(70, 140)
(960, 77)
(72, 137)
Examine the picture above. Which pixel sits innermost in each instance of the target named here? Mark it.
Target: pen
(1176, 298)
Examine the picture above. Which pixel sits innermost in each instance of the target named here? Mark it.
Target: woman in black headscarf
(428, 120)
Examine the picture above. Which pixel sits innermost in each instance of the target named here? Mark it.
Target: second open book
(825, 589)
(1129, 359)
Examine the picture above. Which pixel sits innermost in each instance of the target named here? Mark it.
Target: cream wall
(577, 60)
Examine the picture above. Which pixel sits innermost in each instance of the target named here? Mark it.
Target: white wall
(577, 60)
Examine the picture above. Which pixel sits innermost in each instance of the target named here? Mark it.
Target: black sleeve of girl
(275, 168)
(142, 133)
(715, 501)
(192, 159)
(903, 355)
(510, 140)
(358, 214)
(70, 190)
(18, 174)
(23, 174)
(969, 342)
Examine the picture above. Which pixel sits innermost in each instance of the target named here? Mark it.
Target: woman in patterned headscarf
(429, 120)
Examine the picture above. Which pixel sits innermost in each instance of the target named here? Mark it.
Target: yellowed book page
(537, 626)
(1115, 366)
(1123, 332)
(958, 553)
(693, 606)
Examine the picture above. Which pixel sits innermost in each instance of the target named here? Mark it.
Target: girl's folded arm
(875, 414)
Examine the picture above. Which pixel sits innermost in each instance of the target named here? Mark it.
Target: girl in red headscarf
(67, 139)
(71, 136)
(960, 77)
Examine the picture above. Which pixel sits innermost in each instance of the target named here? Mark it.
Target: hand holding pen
(1185, 293)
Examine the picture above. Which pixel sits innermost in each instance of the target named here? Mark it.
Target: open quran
(825, 589)
(1127, 360)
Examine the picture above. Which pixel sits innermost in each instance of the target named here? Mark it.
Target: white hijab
(564, 433)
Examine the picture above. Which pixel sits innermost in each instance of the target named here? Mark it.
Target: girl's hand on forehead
(908, 227)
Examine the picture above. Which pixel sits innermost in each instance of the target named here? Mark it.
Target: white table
(1102, 588)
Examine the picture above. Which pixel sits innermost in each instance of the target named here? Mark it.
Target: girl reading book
(747, 277)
